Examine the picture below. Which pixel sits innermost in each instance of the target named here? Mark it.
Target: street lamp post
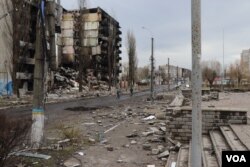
(196, 150)
(152, 65)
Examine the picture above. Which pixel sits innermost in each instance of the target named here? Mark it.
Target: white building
(245, 59)
(5, 45)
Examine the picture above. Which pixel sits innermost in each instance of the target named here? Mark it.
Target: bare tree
(236, 71)
(143, 72)
(131, 49)
(210, 70)
(163, 74)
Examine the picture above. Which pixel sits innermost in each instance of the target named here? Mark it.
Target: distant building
(245, 59)
(175, 73)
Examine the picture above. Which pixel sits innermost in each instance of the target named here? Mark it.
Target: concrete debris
(33, 155)
(160, 148)
(154, 129)
(132, 135)
(104, 141)
(155, 151)
(146, 147)
(80, 153)
(149, 118)
(164, 154)
(72, 162)
(63, 141)
(171, 140)
(120, 161)
(133, 142)
(150, 165)
(66, 81)
(161, 116)
(151, 122)
(128, 109)
(163, 128)
(110, 148)
(89, 124)
(156, 139)
(147, 133)
(164, 159)
(91, 140)
(178, 101)
(173, 164)
(178, 145)
(126, 146)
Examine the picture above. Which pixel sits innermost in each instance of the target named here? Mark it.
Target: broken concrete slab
(149, 118)
(133, 142)
(164, 154)
(33, 155)
(163, 128)
(147, 133)
(72, 162)
(178, 101)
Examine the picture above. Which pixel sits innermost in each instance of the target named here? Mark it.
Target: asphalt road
(54, 110)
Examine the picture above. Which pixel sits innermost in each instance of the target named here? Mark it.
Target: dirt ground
(106, 136)
(113, 135)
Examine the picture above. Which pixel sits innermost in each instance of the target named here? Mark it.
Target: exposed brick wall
(180, 121)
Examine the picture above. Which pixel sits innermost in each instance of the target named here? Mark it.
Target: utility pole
(51, 20)
(177, 75)
(168, 76)
(152, 70)
(84, 47)
(152, 65)
(196, 151)
(38, 93)
(223, 72)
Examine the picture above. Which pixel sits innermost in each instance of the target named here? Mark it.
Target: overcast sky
(170, 23)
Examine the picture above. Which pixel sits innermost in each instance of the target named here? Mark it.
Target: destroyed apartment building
(101, 42)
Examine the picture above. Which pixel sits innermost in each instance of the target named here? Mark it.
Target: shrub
(12, 134)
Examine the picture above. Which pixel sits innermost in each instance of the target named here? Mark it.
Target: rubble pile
(67, 78)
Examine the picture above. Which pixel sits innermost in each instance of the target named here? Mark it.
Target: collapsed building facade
(100, 41)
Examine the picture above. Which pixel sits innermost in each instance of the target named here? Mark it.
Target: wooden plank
(182, 159)
(219, 144)
(243, 133)
(208, 156)
(232, 140)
